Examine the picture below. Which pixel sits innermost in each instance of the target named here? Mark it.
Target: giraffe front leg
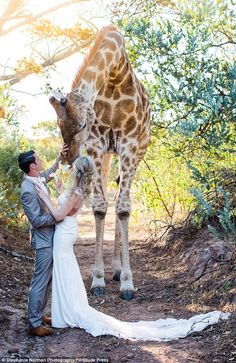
(116, 262)
(99, 211)
(123, 209)
(98, 282)
(126, 278)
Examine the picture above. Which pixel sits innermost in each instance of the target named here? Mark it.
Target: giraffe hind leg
(126, 278)
(98, 282)
(123, 209)
(116, 261)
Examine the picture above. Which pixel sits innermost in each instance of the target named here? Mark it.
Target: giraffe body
(107, 112)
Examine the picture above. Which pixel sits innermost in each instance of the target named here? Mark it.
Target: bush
(10, 180)
(216, 202)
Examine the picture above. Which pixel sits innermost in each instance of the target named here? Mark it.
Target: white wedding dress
(70, 306)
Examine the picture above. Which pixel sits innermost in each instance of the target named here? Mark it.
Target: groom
(42, 225)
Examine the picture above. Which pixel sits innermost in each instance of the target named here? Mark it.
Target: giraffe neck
(106, 64)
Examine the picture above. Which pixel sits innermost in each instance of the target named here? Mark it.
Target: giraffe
(107, 112)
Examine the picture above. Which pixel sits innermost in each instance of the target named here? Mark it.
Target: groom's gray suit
(42, 225)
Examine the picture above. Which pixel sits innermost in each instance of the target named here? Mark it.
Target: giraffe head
(75, 116)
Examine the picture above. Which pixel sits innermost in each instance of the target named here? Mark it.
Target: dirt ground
(168, 284)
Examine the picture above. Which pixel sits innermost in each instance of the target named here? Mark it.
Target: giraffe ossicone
(107, 112)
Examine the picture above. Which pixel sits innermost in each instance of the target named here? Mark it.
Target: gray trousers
(40, 285)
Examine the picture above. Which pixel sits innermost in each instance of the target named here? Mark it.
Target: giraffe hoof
(98, 291)
(127, 295)
(116, 276)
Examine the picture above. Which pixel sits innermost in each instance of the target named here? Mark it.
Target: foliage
(47, 128)
(194, 96)
(162, 183)
(11, 144)
(48, 42)
(10, 174)
(10, 179)
(45, 28)
(226, 220)
(8, 111)
(216, 202)
(27, 65)
(185, 55)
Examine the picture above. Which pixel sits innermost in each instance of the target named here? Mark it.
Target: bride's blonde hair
(83, 170)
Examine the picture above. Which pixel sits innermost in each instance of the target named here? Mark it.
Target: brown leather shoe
(40, 331)
(47, 319)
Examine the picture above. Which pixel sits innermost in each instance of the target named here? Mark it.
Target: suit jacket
(42, 223)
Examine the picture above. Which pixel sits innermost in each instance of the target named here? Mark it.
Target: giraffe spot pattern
(136, 132)
(130, 124)
(109, 44)
(109, 57)
(117, 37)
(99, 81)
(116, 94)
(116, 79)
(102, 139)
(127, 161)
(103, 111)
(126, 105)
(101, 65)
(102, 129)
(97, 58)
(89, 75)
(119, 116)
(108, 91)
(127, 87)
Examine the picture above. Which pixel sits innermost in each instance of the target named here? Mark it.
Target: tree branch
(29, 19)
(17, 77)
(221, 44)
(11, 10)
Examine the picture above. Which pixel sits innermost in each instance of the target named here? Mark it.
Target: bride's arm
(60, 213)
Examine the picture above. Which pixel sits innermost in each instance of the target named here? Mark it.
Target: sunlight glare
(30, 92)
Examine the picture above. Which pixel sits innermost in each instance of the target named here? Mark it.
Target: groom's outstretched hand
(64, 151)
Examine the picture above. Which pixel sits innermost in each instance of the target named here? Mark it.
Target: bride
(70, 307)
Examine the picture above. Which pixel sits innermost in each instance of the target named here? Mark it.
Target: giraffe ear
(86, 94)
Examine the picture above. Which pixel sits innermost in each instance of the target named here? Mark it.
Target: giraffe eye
(63, 101)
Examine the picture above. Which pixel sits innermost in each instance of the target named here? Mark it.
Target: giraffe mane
(92, 51)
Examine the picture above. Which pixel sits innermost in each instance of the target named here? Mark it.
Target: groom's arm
(46, 174)
(62, 155)
(33, 212)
